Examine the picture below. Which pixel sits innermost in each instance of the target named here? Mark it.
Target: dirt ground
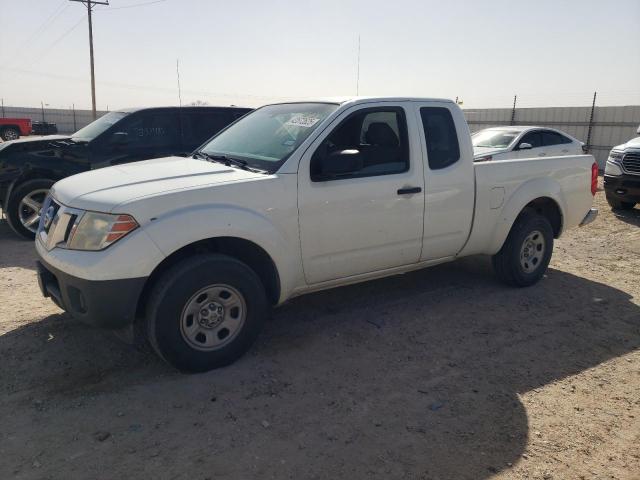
(438, 374)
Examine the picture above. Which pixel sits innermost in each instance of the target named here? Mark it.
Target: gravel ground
(438, 374)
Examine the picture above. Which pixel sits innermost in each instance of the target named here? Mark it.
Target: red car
(12, 128)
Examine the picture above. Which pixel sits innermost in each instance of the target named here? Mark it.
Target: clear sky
(250, 52)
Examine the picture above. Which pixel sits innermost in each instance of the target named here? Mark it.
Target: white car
(501, 143)
(290, 199)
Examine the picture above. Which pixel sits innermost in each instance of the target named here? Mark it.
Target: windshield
(266, 137)
(494, 138)
(98, 126)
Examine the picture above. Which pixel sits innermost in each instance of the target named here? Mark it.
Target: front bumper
(625, 187)
(108, 304)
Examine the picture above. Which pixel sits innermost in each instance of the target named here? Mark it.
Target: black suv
(29, 167)
(622, 175)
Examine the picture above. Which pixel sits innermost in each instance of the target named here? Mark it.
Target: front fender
(179, 228)
(535, 188)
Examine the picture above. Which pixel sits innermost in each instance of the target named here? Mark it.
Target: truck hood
(482, 151)
(633, 143)
(105, 189)
(31, 144)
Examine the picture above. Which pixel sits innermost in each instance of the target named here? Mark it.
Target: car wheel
(526, 253)
(205, 312)
(24, 205)
(10, 133)
(616, 204)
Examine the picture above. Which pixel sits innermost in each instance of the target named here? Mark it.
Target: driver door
(361, 195)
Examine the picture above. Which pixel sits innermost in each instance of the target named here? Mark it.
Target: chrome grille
(56, 223)
(631, 162)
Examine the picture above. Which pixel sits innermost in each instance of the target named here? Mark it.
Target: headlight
(96, 231)
(615, 156)
(612, 168)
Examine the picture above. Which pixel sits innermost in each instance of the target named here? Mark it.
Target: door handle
(565, 151)
(409, 190)
(541, 154)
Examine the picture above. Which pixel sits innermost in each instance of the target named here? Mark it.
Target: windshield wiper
(228, 161)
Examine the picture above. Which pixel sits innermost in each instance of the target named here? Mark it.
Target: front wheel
(616, 204)
(526, 253)
(24, 205)
(10, 133)
(205, 312)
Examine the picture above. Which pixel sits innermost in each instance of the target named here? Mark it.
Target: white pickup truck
(294, 198)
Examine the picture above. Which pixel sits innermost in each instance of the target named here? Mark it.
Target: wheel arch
(544, 196)
(241, 249)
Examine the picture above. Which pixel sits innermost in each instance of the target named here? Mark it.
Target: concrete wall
(611, 125)
(66, 119)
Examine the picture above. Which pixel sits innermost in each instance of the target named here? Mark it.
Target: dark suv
(622, 175)
(28, 168)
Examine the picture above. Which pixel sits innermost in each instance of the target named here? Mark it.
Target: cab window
(533, 138)
(200, 126)
(151, 129)
(370, 142)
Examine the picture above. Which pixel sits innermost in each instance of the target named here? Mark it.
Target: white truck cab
(293, 198)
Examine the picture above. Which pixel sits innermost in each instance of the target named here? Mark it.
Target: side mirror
(120, 138)
(525, 146)
(638, 131)
(339, 163)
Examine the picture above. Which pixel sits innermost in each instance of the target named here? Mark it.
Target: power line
(58, 40)
(144, 4)
(41, 29)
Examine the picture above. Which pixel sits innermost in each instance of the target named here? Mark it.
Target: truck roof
(364, 99)
(184, 107)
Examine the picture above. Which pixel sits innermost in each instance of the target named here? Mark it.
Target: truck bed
(504, 187)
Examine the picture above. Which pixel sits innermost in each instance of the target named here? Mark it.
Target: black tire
(18, 193)
(616, 204)
(508, 263)
(10, 133)
(176, 289)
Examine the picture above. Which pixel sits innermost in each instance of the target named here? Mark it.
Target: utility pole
(358, 72)
(513, 110)
(593, 109)
(89, 4)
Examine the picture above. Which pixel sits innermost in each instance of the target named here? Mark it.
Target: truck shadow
(411, 376)
(632, 217)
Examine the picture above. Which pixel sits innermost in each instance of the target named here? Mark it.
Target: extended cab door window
(449, 179)
(361, 195)
(441, 137)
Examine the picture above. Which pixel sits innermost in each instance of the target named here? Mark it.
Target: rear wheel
(205, 312)
(24, 205)
(619, 204)
(10, 133)
(526, 253)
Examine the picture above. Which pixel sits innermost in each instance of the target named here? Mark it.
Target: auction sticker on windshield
(302, 120)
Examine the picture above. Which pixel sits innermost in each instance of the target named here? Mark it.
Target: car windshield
(266, 137)
(494, 138)
(98, 126)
